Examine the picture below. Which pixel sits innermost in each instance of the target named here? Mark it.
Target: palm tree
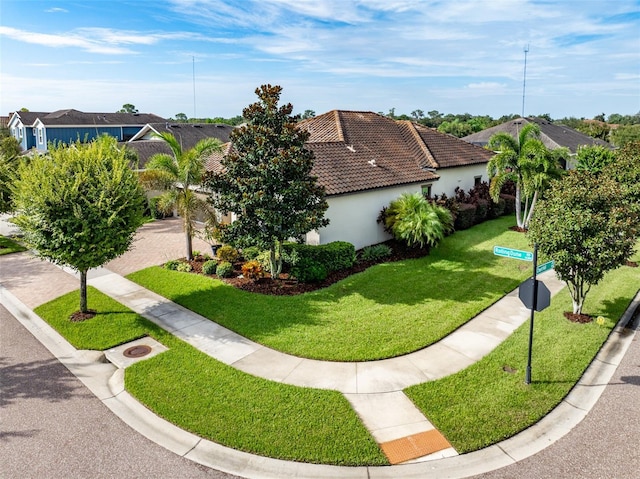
(178, 176)
(525, 161)
(414, 220)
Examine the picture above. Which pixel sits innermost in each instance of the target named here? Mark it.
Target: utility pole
(524, 81)
(193, 60)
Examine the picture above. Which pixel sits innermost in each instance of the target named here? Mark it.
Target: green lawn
(217, 402)
(7, 245)
(483, 404)
(389, 310)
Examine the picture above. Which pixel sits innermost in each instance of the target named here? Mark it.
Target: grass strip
(388, 310)
(7, 246)
(217, 402)
(485, 404)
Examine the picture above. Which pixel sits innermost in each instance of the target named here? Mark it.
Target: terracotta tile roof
(358, 151)
(449, 151)
(552, 135)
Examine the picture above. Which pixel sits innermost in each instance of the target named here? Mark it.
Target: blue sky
(454, 56)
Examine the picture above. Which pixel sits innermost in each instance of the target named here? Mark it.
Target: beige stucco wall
(353, 216)
(462, 176)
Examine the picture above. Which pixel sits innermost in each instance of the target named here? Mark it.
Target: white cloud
(56, 10)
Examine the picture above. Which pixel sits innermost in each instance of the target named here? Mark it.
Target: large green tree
(10, 158)
(178, 176)
(79, 205)
(266, 180)
(586, 225)
(525, 161)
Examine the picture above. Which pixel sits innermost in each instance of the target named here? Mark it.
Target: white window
(40, 136)
(20, 132)
(426, 191)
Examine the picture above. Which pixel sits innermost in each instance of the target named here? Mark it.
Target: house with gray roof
(552, 135)
(35, 130)
(146, 143)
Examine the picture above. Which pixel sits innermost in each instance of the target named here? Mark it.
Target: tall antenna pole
(524, 81)
(194, 86)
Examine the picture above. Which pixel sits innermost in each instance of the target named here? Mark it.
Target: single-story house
(365, 160)
(146, 144)
(38, 129)
(552, 135)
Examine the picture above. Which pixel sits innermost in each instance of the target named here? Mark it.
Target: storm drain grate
(137, 351)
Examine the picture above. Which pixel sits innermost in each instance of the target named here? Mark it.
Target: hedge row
(333, 256)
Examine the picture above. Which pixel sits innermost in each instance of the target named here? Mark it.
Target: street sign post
(544, 267)
(512, 253)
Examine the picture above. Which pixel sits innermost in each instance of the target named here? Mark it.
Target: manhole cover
(137, 351)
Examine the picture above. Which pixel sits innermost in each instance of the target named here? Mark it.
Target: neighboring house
(146, 144)
(366, 160)
(39, 129)
(553, 136)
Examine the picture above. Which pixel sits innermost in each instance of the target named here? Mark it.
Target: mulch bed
(79, 316)
(578, 318)
(285, 285)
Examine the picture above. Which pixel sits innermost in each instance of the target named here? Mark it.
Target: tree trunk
(83, 292)
(530, 214)
(518, 207)
(189, 246)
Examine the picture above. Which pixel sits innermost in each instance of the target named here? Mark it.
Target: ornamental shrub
(333, 256)
(307, 270)
(375, 252)
(209, 267)
(466, 216)
(184, 267)
(252, 270)
(227, 253)
(250, 253)
(224, 269)
(172, 264)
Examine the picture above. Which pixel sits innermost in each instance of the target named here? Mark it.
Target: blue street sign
(512, 253)
(544, 267)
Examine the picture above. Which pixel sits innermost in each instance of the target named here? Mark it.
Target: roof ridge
(339, 126)
(409, 125)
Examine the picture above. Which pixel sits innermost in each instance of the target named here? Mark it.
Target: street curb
(107, 383)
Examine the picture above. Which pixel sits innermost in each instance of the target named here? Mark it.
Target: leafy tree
(266, 180)
(586, 225)
(10, 151)
(417, 115)
(626, 171)
(625, 134)
(525, 161)
(181, 117)
(79, 206)
(308, 114)
(595, 129)
(128, 108)
(178, 175)
(455, 128)
(416, 221)
(593, 158)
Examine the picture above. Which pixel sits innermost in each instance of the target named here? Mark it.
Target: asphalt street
(53, 427)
